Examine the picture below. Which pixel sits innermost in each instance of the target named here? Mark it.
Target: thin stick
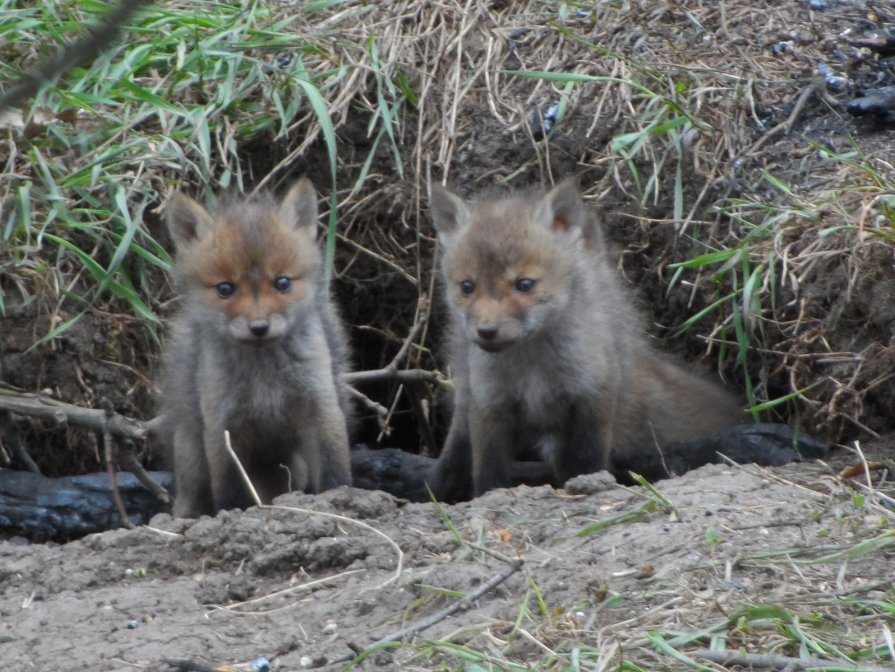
(439, 616)
(818, 85)
(285, 591)
(728, 658)
(380, 411)
(391, 371)
(352, 521)
(14, 439)
(242, 471)
(113, 480)
(130, 462)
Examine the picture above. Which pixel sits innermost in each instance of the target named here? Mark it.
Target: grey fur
(563, 373)
(281, 396)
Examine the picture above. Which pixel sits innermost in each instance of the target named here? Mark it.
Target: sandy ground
(307, 581)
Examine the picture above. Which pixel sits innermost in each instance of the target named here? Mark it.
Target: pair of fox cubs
(547, 360)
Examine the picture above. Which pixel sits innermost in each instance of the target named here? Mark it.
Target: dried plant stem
(439, 616)
(309, 585)
(392, 371)
(817, 86)
(242, 471)
(763, 660)
(109, 457)
(399, 566)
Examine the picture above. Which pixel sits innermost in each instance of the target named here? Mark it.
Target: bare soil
(301, 588)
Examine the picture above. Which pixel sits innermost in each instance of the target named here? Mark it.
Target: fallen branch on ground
(774, 662)
(438, 616)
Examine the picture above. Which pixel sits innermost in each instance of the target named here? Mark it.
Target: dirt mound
(757, 559)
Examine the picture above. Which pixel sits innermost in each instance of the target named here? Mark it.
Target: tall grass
(170, 105)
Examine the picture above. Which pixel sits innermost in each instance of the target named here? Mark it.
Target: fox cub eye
(282, 284)
(525, 285)
(467, 287)
(225, 289)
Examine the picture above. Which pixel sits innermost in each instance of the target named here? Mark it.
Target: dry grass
(665, 111)
(799, 584)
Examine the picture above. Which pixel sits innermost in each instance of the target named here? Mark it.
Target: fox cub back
(256, 349)
(548, 358)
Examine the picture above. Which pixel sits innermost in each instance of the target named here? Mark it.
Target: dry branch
(773, 662)
(392, 370)
(438, 616)
(62, 413)
(108, 456)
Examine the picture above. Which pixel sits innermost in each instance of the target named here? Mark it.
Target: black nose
(259, 328)
(487, 333)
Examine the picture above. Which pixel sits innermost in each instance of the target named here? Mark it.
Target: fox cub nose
(259, 328)
(487, 332)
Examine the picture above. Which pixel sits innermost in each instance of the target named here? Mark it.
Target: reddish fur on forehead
(253, 237)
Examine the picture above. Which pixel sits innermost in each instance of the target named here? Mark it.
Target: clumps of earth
(312, 580)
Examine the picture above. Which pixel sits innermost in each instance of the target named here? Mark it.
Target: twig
(729, 658)
(61, 413)
(108, 450)
(335, 516)
(242, 471)
(418, 407)
(380, 411)
(438, 616)
(130, 462)
(9, 431)
(391, 371)
(285, 591)
(818, 86)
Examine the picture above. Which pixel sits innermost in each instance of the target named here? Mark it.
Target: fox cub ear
(450, 213)
(299, 207)
(563, 210)
(187, 220)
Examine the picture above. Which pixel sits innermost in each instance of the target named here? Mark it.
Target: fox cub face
(248, 267)
(510, 265)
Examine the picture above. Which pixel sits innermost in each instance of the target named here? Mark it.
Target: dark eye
(525, 285)
(225, 289)
(467, 287)
(282, 284)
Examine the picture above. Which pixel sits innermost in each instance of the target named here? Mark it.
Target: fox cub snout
(256, 349)
(547, 357)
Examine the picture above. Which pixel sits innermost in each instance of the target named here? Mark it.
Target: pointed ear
(299, 207)
(450, 213)
(187, 221)
(563, 210)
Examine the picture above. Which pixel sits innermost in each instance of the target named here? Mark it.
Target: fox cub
(256, 349)
(548, 360)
